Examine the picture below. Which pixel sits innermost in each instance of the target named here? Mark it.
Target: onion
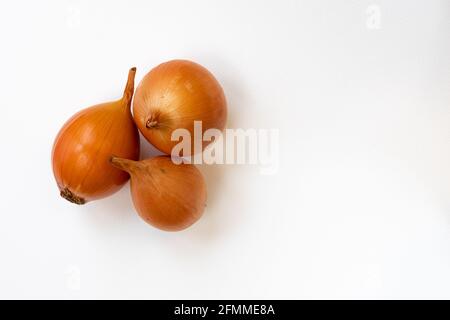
(84, 145)
(168, 196)
(174, 95)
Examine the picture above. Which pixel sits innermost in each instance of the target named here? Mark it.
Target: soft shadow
(211, 226)
(147, 149)
(444, 203)
(114, 212)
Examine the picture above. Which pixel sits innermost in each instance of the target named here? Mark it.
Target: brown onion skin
(168, 196)
(173, 95)
(85, 143)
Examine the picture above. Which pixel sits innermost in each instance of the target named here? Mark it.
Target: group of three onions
(97, 149)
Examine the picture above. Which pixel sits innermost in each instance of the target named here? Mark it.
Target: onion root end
(70, 196)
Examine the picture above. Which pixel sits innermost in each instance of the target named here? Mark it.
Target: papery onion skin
(85, 143)
(168, 196)
(172, 96)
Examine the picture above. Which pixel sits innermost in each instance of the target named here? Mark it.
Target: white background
(359, 207)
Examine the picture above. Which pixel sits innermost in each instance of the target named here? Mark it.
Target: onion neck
(124, 164)
(129, 88)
